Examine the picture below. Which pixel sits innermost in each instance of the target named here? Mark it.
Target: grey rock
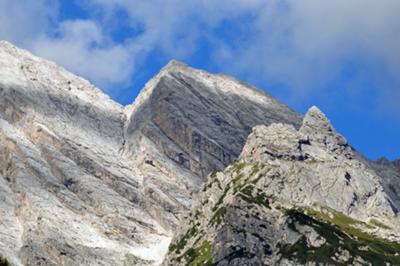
(198, 120)
(292, 195)
(390, 178)
(397, 164)
(86, 181)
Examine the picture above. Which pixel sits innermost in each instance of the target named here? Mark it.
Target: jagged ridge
(84, 180)
(295, 197)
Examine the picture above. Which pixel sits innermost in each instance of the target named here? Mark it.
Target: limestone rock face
(323, 166)
(198, 120)
(86, 181)
(295, 197)
(68, 196)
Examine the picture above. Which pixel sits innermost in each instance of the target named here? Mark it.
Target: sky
(341, 55)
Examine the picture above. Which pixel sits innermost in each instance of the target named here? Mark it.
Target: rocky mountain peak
(285, 141)
(96, 181)
(384, 161)
(316, 123)
(175, 65)
(23, 69)
(85, 181)
(292, 195)
(203, 116)
(316, 119)
(319, 129)
(308, 149)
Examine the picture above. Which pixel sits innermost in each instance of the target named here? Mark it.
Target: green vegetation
(4, 262)
(245, 187)
(237, 182)
(218, 216)
(379, 224)
(237, 167)
(212, 178)
(341, 234)
(248, 190)
(181, 243)
(198, 213)
(260, 199)
(246, 194)
(255, 181)
(256, 168)
(334, 217)
(200, 256)
(221, 199)
(240, 179)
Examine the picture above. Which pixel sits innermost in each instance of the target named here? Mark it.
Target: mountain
(390, 177)
(396, 164)
(86, 181)
(228, 173)
(294, 197)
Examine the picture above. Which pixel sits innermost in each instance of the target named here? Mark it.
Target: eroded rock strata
(86, 181)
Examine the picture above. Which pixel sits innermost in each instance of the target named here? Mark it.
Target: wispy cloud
(21, 21)
(302, 45)
(305, 44)
(82, 47)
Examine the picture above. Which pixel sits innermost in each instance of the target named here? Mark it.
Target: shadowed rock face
(207, 118)
(86, 181)
(390, 177)
(397, 164)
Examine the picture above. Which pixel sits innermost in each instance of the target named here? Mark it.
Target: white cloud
(79, 45)
(82, 47)
(302, 44)
(305, 44)
(174, 25)
(21, 21)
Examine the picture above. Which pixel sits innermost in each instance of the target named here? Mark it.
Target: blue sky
(341, 55)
